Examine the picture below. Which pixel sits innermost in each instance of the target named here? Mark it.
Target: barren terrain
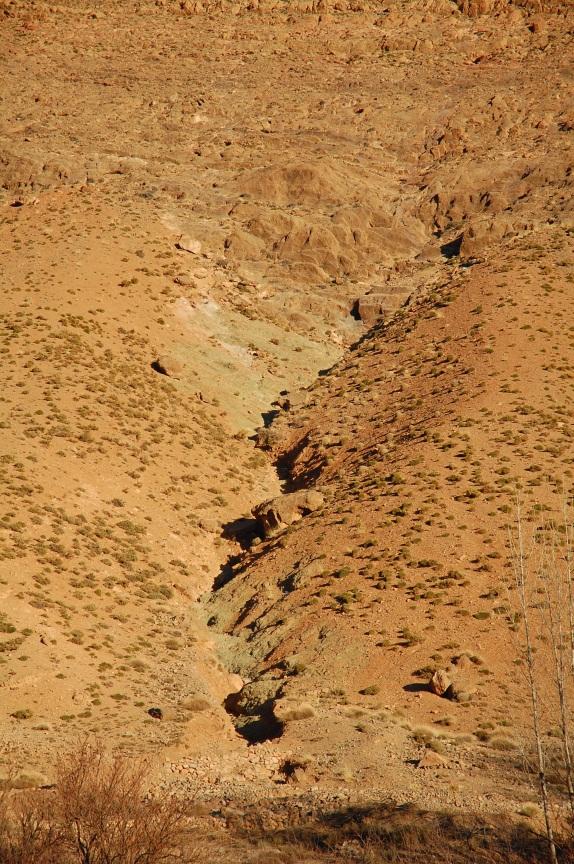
(258, 250)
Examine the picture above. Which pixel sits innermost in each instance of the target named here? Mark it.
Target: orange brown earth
(251, 251)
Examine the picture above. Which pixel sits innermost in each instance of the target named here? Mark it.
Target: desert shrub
(26, 833)
(98, 813)
(105, 816)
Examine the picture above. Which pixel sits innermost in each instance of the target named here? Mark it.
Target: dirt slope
(420, 441)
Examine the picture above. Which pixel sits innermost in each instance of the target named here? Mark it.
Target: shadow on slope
(404, 834)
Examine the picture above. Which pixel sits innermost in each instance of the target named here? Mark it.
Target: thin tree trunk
(569, 567)
(520, 572)
(552, 573)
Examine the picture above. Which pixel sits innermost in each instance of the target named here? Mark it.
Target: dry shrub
(106, 817)
(97, 814)
(26, 834)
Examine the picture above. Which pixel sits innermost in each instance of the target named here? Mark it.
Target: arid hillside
(422, 441)
(313, 252)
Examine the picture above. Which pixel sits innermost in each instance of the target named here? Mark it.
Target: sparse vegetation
(372, 296)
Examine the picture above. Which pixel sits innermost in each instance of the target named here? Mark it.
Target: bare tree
(27, 835)
(106, 817)
(522, 578)
(555, 576)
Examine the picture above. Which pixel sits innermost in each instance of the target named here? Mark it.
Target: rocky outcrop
(304, 575)
(278, 513)
(39, 170)
(374, 307)
(253, 698)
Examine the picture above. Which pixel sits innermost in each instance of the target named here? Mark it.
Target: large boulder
(278, 513)
(484, 233)
(168, 365)
(253, 699)
(371, 308)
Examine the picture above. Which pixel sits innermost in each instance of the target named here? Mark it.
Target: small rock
(236, 682)
(538, 24)
(432, 760)
(283, 403)
(156, 713)
(188, 244)
(294, 768)
(440, 683)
